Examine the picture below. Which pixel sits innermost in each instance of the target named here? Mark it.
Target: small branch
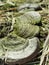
(45, 50)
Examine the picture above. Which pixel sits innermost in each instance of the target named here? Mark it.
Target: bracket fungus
(20, 44)
(13, 51)
(25, 25)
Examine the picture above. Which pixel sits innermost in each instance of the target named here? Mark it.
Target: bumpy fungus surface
(24, 25)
